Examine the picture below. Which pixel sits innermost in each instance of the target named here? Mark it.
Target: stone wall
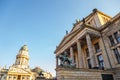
(80, 74)
(38, 78)
(117, 73)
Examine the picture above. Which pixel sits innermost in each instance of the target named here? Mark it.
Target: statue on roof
(77, 20)
(83, 20)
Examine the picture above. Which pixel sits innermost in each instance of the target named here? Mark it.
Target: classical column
(72, 54)
(7, 77)
(12, 77)
(80, 57)
(76, 60)
(90, 49)
(21, 77)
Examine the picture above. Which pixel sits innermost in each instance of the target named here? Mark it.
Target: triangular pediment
(19, 70)
(95, 19)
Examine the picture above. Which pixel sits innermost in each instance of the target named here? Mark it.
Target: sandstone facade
(94, 46)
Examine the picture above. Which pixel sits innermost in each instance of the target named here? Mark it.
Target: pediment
(19, 70)
(68, 37)
(94, 19)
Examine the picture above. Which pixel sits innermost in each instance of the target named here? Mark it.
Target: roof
(78, 22)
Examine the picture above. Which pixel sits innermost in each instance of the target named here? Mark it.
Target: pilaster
(105, 54)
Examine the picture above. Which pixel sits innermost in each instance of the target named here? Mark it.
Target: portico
(93, 45)
(75, 48)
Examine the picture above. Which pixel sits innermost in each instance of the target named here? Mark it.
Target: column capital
(87, 33)
(71, 47)
(79, 40)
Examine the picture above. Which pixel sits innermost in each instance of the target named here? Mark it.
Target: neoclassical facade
(20, 70)
(93, 45)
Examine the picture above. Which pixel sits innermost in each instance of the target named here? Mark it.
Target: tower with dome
(20, 70)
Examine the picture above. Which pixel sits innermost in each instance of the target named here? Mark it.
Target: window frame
(97, 47)
(111, 39)
(117, 37)
(117, 55)
(100, 61)
(89, 63)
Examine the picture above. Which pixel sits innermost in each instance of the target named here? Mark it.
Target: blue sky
(41, 24)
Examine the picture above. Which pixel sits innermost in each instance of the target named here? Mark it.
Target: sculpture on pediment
(65, 61)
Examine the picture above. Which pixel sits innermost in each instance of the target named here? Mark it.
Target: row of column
(80, 55)
(16, 77)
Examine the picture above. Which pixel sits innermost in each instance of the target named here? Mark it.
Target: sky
(41, 25)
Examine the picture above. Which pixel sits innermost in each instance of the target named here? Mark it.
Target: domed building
(20, 70)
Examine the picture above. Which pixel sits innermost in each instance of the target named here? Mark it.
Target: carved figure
(65, 60)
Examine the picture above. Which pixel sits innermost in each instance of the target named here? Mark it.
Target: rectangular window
(89, 63)
(100, 61)
(111, 40)
(87, 52)
(117, 55)
(117, 37)
(97, 48)
(14, 77)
